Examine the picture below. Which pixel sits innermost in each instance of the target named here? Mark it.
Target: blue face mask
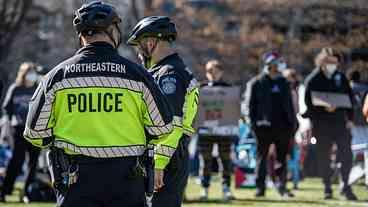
(32, 77)
(281, 66)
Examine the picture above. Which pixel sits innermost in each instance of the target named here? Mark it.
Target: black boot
(347, 192)
(260, 192)
(285, 193)
(328, 193)
(2, 198)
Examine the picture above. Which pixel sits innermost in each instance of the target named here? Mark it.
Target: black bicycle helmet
(160, 27)
(95, 16)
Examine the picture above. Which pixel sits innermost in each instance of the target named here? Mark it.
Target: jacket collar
(97, 47)
(166, 60)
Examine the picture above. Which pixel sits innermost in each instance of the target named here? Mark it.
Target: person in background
(294, 160)
(214, 73)
(1, 87)
(15, 109)
(330, 124)
(271, 115)
(365, 108)
(359, 131)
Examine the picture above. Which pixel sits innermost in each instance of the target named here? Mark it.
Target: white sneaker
(204, 194)
(227, 194)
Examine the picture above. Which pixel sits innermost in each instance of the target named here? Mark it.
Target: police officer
(154, 37)
(97, 107)
(330, 124)
(15, 109)
(270, 112)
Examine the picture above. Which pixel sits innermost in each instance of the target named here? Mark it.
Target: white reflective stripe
(102, 152)
(188, 133)
(105, 82)
(178, 121)
(33, 134)
(43, 117)
(165, 150)
(42, 122)
(46, 108)
(159, 130)
(153, 130)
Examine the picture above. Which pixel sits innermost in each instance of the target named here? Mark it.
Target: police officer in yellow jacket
(100, 109)
(153, 37)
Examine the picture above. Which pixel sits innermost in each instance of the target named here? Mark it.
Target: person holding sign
(329, 100)
(269, 111)
(207, 140)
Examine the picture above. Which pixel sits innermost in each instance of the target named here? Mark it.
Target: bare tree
(12, 14)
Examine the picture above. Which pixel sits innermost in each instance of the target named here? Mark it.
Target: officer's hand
(159, 179)
(331, 109)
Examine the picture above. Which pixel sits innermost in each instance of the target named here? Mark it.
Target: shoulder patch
(168, 85)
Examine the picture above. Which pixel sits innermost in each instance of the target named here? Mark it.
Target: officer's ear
(82, 40)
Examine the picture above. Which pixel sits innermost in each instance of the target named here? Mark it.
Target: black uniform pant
(105, 182)
(175, 178)
(326, 134)
(14, 168)
(205, 145)
(265, 137)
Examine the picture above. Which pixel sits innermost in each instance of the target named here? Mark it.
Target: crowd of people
(105, 120)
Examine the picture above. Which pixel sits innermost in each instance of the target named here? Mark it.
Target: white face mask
(331, 68)
(31, 77)
(281, 66)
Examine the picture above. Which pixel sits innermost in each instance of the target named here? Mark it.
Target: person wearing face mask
(330, 124)
(214, 73)
(270, 113)
(154, 38)
(15, 109)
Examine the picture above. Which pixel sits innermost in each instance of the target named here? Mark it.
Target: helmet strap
(80, 40)
(111, 36)
(147, 53)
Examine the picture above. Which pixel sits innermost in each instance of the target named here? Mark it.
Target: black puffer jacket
(258, 101)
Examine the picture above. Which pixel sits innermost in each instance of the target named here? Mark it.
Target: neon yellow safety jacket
(98, 104)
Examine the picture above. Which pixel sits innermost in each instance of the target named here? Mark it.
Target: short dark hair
(354, 75)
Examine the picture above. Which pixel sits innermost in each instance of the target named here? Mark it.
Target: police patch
(168, 85)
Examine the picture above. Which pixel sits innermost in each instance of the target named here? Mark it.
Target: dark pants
(175, 178)
(326, 134)
(21, 148)
(205, 144)
(105, 183)
(265, 137)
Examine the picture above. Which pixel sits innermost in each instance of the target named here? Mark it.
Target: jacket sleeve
(7, 107)
(40, 119)
(311, 109)
(350, 112)
(292, 106)
(157, 115)
(174, 90)
(250, 103)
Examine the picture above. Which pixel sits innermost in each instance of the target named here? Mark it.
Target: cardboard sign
(328, 99)
(219, 111)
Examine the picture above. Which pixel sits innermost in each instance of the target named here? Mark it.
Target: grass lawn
(309, 195)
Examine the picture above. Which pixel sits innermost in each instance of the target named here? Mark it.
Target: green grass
(309, 195)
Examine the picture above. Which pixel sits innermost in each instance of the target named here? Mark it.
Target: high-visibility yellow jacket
(98, 104)
(181, 89)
